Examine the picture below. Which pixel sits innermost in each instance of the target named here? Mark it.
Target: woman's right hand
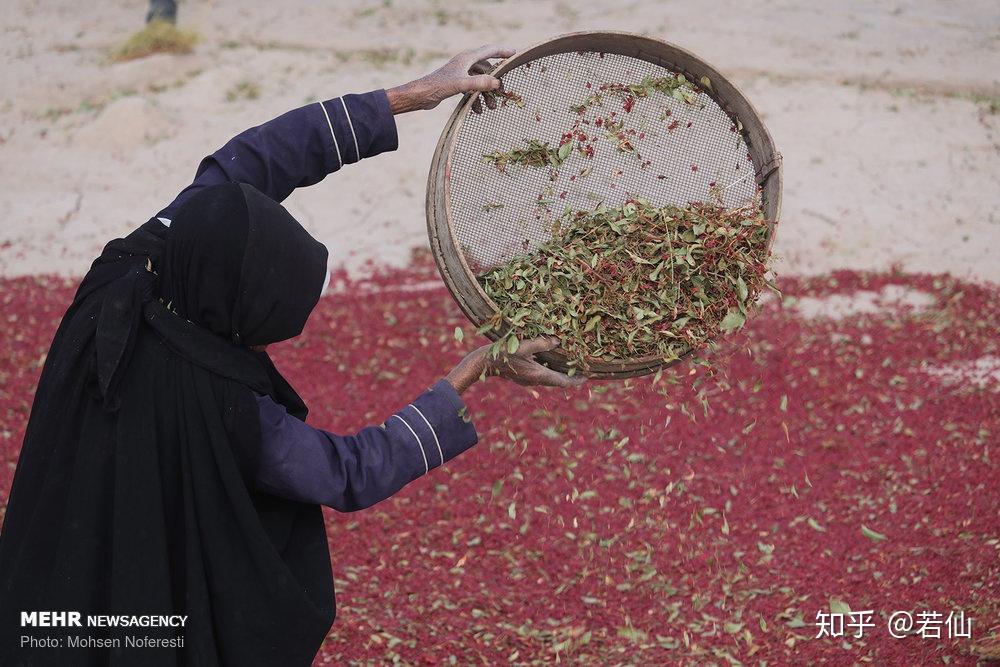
(468, 72)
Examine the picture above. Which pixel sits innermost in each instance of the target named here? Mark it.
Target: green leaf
(459, 334)
(741, 288)
(733, 320)
(512, 344)
(797, 621)
(871, 534)
(634, 634)
(564, 150)
(839, 607)
(591, 323)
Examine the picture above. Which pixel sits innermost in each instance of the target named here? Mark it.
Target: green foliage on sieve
(635, 281)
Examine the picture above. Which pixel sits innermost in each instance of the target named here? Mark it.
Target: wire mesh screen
(658, 147)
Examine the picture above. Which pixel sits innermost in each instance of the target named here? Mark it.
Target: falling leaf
(871, 534)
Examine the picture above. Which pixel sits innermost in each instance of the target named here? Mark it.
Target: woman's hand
(468, 72)
(519, 367)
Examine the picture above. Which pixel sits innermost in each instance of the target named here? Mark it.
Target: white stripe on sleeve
(357, 151)
(340, 161)
(436, 441)
(419, 444)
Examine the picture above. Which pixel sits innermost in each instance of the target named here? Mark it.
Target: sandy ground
(887, 115)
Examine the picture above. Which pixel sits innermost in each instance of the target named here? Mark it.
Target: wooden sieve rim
(455, 271)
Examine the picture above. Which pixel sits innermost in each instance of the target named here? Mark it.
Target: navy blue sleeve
(351, 472)
(299, 148)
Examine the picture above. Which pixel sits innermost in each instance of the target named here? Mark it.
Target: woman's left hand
(520, 367)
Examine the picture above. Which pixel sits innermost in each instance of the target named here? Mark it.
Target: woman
(167, 477)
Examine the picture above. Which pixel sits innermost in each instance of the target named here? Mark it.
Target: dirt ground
(886, 113)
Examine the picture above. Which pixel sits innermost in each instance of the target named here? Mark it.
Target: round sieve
(704, 143)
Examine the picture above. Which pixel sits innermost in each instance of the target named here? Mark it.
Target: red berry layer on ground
(619, 524)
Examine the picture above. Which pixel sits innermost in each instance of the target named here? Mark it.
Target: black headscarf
(252, 276)
(134, 491)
